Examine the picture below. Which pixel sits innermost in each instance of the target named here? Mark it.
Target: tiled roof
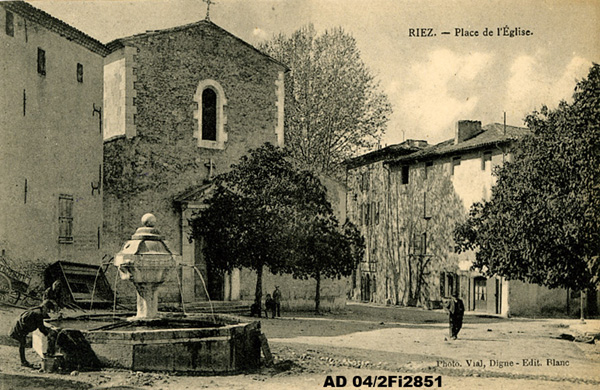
(53, 24)
(387, 153)
(120, 42)
(492, 134)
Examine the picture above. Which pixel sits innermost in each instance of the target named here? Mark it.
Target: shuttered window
(65, 219)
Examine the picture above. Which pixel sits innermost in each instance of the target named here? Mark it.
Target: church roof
(193, 194)
(55, 25)
(121, 42)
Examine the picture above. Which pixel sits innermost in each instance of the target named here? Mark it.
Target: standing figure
(277, 299)
(29, 321)
(456, 309)
(269, 306)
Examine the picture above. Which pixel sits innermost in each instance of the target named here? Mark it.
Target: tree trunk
(258, 291)
(582, 305)
(318, 292)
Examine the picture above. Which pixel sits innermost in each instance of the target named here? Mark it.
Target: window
(211, 102)
(80, 73)
(455, 163)
(428, 166)
(449, 283)
(209, 115)
(65, 219)
(486, 160)
(41, 62)
(10, 24)
(364, 181)
(480, 289)
(405, 174)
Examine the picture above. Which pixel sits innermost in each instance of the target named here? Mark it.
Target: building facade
(51, 163)
(181, 106)
(407, 199)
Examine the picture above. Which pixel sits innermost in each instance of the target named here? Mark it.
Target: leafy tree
(542, 223)
(326, 251)
(258, 213)
(334, 106)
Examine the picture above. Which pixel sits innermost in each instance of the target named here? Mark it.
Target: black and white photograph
(299, 194)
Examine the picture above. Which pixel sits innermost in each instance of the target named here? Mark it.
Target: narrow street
(365, 345)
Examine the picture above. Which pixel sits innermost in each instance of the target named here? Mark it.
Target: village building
(180, 106)
(51, 94)
(407, 199)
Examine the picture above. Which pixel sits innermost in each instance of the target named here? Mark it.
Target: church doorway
(212, 279)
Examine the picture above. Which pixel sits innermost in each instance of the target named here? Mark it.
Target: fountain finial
(149, 220)
(147, 231)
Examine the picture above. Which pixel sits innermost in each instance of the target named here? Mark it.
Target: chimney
(466, 130)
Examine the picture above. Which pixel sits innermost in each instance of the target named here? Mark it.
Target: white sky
(431, 82)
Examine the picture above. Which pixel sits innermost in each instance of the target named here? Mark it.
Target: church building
(180, 106)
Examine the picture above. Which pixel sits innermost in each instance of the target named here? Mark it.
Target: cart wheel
(5, 288)
(17, 296)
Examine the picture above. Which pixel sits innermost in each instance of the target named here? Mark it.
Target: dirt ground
(365, 346)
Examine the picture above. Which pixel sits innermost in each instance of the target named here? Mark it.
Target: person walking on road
(456, 310)
(277, 299)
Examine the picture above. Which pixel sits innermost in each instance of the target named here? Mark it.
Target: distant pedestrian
(269, 306)
(29, 321)
(456, 310)
(277, 299)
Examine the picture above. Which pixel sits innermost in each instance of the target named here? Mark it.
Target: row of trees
(267, 214)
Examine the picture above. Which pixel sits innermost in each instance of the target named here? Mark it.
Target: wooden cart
(14, 286)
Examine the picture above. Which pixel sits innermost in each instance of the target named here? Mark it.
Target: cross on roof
(208, 3)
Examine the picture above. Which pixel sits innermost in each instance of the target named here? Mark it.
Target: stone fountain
(146, 261)
(153, 341)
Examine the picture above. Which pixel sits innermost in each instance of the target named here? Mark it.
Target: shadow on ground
(18, 382)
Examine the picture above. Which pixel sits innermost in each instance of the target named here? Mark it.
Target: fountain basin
(196, 344)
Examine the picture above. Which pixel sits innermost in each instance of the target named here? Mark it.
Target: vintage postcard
(299, 194)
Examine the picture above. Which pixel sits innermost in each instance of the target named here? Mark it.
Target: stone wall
(535, 301)
(297, 294)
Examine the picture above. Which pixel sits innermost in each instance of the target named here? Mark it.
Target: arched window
(210, 115)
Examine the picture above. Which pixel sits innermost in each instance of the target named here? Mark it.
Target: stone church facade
(180, 106)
